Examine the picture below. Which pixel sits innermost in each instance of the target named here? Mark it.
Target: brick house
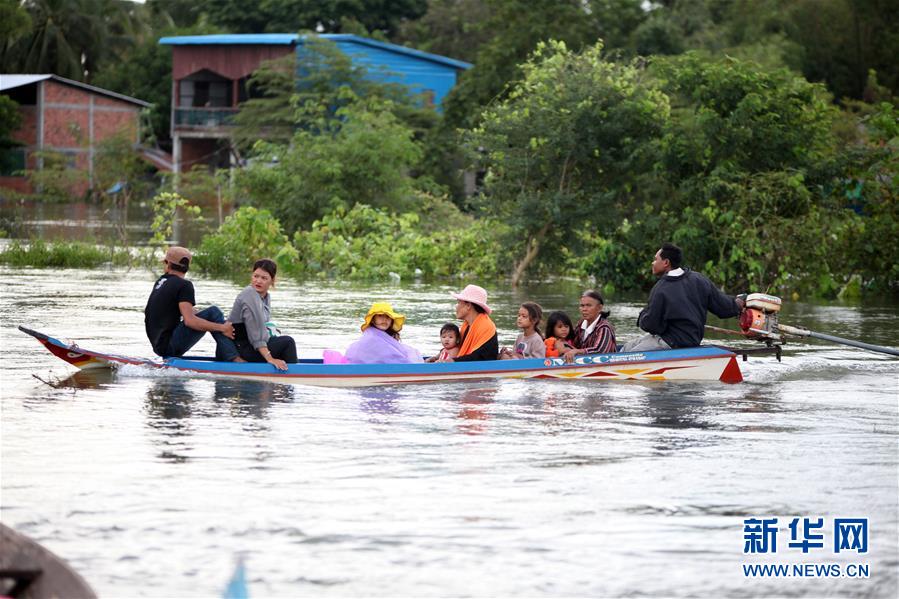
(210, 73)
(64, 116)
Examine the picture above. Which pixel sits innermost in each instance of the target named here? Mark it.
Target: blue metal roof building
(421, 71)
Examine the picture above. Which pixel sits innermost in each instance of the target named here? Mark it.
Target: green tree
(360, 154)
(516, 27)
(72, 38)
(55, 180)
(281, 16)
(117, 161)
(15, 22)
(10, 119)
(842, 40)
(176, 13)
(566, 145)
(501, 36)
(453, 28)
(745, 157)
(872, 183)
(247, 235)
(732, 115)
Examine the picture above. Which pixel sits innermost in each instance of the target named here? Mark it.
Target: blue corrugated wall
(420, 75)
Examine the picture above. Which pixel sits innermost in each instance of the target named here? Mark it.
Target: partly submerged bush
(370, 243)
(246, 236)
(62, 254)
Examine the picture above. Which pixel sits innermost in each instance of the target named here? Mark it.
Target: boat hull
(693, 364)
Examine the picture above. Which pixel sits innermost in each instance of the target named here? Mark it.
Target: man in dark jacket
(676, 312)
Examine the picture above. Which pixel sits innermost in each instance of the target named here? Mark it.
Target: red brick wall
(17, 184)
(66, 126)
(110, 124)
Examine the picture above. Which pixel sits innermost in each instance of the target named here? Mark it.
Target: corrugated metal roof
(293, 38)
(279, 39)
(13, 81)
(459, 64)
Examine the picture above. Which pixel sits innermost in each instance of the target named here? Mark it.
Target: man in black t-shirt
(172, 325)
(676, 312)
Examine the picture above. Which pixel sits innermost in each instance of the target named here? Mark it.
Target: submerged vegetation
(760, 135)
(63, 254)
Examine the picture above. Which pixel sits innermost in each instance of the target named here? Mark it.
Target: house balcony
(213, 122)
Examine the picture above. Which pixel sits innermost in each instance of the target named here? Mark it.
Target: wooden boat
(707, 363)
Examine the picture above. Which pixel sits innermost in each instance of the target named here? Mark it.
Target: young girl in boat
(559, 334)
(450, 339)
(380, 343)
(250, 316)
(530, 342)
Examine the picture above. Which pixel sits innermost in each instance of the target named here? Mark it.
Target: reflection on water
(380, 400)
(474, 412)
(169, 407)
(178, 397)
(482, 488)
(250, 398)
(99, 378)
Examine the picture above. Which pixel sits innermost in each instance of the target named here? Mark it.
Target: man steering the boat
(678, 304)
(173, 327)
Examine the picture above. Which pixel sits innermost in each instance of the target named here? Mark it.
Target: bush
(370, 243)
(246, 236)
(63, 254)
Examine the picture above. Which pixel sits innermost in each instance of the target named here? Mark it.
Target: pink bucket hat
(475, 295)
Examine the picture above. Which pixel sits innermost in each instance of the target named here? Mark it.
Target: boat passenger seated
(255, 336)
(593, 334)
(380, 341)
(479, 337)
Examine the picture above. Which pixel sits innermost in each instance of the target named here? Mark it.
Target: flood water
(102, 222)
(153, 484)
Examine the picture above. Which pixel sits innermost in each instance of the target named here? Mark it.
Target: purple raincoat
(377, 347)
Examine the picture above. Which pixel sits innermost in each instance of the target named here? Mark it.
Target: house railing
(204, 117)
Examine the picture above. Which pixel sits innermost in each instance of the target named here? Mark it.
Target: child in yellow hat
(381, 316)
(380, 342)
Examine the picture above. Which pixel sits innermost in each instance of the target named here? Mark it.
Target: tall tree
(454, 28)
(73, 38)
(517, 26)
(566, 145)
(282, 16)
(14, 21)
(360, 154)
(843, 39)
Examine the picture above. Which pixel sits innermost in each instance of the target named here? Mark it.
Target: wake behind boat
(705, 363)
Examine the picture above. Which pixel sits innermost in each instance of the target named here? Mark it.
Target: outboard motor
(759, 317)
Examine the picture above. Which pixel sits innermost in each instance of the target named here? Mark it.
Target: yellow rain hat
(386, 309)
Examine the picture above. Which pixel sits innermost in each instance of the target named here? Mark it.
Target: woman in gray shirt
(251, 313)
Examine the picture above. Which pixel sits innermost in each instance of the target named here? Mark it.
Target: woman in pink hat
(479, 338)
